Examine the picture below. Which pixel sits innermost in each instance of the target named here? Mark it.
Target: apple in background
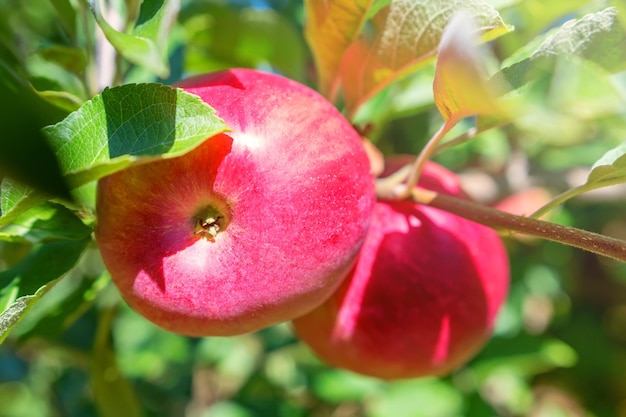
(423, 296)
(253, 227)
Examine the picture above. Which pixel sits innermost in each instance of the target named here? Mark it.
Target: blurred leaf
(16, 311)
(330, 29)
(224, 37)
(24, 153)
(56, 74)
(564, 98)
(416, 398)
(460, 86)
(403, 38)
(337, 386)
(226, 409)
(129, 124)
(67, 15)
(113, 393)
(611, 168)
(146, 44)
(597, 37)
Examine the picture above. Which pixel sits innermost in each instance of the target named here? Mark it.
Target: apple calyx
(209, 221)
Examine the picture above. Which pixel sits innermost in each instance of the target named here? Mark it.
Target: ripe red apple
(255, 226)
(423, 296)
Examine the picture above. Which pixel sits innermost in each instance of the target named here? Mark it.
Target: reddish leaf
(461, 88)
(331, 27)
(404, 37)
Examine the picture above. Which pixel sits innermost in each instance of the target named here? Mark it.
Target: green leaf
(16, 198)
(426, 397)
(404, 38)
(67, 15)
(24, 153)
(45, 262)
(107, 382)
(72, 297)
(46, 223)
(16, 311)
(130, 124)
(219, 36)
(597, 37)
(330, 28)
(145, 45)
(58, 239)
(460, 87)
(611, 168)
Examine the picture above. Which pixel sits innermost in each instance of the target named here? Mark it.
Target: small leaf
(16, 311)
(404, 38)
(608, 170)
(460, 87)
(130, 124)
(329, 29)
(145, 46)
(611, 168)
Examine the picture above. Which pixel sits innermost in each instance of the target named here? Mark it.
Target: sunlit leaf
(331, 27)
(127, 124)
(597, 37)
(46, 223)
(461, 87)
(146, 44)
(16, 311)
(124, 125)
(404, 37)
(16, 198)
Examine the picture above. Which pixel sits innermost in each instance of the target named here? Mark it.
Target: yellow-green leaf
(461, 87)
(404, 38)
(330, 28)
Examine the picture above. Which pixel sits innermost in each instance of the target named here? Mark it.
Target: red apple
(255, 226)
(423, 296)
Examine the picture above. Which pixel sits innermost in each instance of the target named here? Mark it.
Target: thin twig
(425, 155)
(510, 223)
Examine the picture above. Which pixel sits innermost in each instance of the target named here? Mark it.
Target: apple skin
(292, 183)
(423, 296)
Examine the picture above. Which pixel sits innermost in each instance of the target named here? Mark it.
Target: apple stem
(423, 157)
(208, 222)
(510, 224)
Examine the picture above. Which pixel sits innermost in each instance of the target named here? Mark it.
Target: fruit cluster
(278, 220)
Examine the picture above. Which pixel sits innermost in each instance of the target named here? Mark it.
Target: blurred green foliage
(559, 348)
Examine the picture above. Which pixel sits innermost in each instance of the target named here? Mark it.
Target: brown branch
(509, 223)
